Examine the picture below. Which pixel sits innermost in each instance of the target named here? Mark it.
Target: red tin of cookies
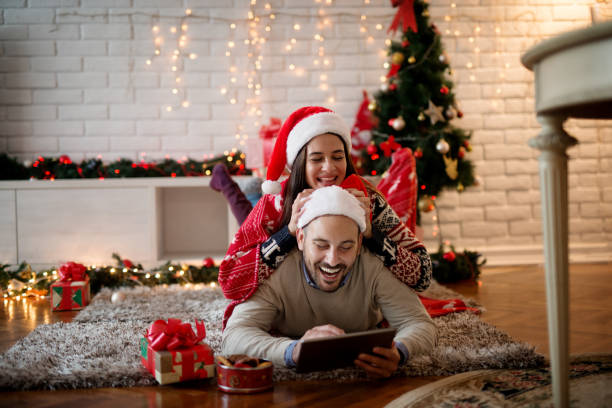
(244, 380)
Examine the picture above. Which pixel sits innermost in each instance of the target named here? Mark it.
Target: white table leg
(553, 142)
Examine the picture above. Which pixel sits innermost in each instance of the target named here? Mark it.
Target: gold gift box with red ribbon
(172, 352)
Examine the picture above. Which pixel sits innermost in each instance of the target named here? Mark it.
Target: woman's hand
(364, 200)
(382, 363)
(297, 208)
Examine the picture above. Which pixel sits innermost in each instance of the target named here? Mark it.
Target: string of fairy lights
(23, 281)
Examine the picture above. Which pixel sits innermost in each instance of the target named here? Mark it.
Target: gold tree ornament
(411, 59)
(397, 58)
(372, 106)
(451, 167)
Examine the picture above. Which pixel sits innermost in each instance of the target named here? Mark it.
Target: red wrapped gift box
(178, 365)
(70, 295)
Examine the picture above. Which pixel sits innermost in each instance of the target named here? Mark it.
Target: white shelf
(148, 220)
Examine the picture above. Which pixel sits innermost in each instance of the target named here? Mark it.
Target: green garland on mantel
(52, 168)
(21, 280)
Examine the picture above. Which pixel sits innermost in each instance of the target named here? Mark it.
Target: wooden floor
(513, 296)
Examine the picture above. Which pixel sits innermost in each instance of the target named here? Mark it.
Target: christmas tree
(414, 108)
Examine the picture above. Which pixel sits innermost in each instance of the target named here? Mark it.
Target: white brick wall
(74, 79)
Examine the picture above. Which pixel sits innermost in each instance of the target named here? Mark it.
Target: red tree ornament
(389, 146)
(444, 90)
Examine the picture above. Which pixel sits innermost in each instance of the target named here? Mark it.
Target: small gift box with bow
(172, 352)
(71, 291)
(259, 150)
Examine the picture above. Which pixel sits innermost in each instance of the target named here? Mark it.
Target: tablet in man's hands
(325, 353)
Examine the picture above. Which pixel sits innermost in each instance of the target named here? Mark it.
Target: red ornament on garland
(393, 87)
(127, 263)
(444, 90)
(405, 43)
(459, 114)
(208, 262)
(371, 149)
(449, 256)
(64, 159)
(418, 153)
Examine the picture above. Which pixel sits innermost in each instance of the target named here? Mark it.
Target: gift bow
(405, 15)
(72, 271)
(174, 334)
(270, 131)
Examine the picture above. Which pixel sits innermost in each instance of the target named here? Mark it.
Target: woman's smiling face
(325, 161)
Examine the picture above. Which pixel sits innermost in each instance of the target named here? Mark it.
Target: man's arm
(247, 330)
(404, 311)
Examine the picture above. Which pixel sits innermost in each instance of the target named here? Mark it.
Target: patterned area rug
(100, 348)
(590, 386)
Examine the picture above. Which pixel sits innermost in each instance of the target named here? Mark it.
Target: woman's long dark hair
(297, 180)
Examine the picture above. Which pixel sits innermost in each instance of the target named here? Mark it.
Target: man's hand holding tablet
(328, 347)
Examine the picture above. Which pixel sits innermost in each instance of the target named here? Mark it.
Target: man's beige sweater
(287, 304)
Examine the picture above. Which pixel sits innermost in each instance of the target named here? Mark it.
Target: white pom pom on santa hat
(332, 200)
(300, 127)
(271, 187)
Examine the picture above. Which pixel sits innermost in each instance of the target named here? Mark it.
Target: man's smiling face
(330, 244)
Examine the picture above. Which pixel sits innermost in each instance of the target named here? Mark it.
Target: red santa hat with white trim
(300, 127)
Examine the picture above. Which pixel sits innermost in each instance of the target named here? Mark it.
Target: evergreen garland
(52, 168)
(24, 281)
(450, 266)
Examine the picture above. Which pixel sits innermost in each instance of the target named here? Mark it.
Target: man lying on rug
(330, 285)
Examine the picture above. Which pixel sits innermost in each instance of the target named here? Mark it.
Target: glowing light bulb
(185, 104)
(188, 12)
(297, 27)
(173, 29)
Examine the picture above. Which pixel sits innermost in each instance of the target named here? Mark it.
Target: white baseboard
(590, 252)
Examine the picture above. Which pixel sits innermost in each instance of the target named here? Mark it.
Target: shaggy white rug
(100, 348)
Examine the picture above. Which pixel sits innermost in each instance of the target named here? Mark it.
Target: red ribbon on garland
(174, 334)
(405, 14)
(72, 271)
